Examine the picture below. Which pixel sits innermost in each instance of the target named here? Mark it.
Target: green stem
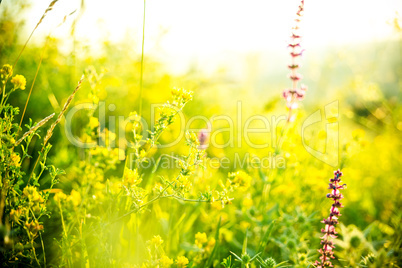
(142, 63)
(33, 82)
(65, 235)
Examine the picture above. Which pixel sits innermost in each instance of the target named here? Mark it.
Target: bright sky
(184, 30)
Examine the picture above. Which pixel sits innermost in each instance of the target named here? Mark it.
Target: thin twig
(49, 8)
(50, 130)
(142, 63)
(33, 83)
(34, 128)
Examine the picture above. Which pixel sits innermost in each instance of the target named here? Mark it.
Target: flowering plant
(329, 231)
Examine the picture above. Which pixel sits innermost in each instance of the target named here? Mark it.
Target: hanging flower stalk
(329, 231)
(294, 94)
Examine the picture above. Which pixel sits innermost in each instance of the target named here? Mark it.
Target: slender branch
(33, 83)
(142, 64)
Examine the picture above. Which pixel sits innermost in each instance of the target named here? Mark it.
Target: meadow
(110, 160)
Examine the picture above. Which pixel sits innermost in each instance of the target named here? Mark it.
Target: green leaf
(264, 240)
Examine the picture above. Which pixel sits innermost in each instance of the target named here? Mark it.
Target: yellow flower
(143, 154)
(15, 160)
(181, 95)
(60, 196)
(210, 246)
(32, 194)
(15, 215)
(131, 177)
(200, 239)
(156, 241)
(240, 179)
(75, 198)
(192, 138)
(186, 95)
(6, 71)
(19, 81)
(96, 151)
(33, 227)
(181, 261)
(244, 224)
(176, 92)
(107, 136)
(165, 262)
(93, 122)
(247, 202)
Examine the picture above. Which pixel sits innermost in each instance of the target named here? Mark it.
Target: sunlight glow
(187, 31)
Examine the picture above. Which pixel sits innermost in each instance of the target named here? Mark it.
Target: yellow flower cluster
(165, 262)
(181, 96)
(192, 138)
(6, 71)
(200, 239)
(181, 262)
(156, 241)
(19, 81)
(74, 198)
(33, 227)
(60, 196)
(15, 215)
(131, 177)
(93, 122)
(210, 246)
(239, 180)
(32, 194)
(247, 202)
(15, 160)
(184, 183)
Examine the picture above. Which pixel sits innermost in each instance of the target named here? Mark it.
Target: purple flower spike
(330, 223)
(294, 95)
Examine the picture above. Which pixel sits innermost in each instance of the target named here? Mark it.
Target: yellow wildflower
(15, 215)
(96, 150)
(244, 225)
(60, 196)
(75, 198)
(247, 202)
(176, 92)
(200, 239)
(93, 122)
(165, 262)
(181, 261)
(210, 246)
(131, 177)
(19, 81)
(156, 241)
(15, 160)
(182, 95)
(143, 154)
(6, 71)
(33, 227)
(32, 194)
(192, 138)
(186, 95)
(240, 179)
